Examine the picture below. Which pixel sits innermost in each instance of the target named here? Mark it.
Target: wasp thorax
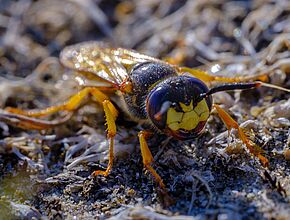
(175, 106)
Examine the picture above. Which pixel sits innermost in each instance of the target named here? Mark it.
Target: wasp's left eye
(176, 108)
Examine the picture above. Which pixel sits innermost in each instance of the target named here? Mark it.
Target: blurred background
(191, 32)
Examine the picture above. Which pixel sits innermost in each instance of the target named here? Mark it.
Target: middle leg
(110, 115)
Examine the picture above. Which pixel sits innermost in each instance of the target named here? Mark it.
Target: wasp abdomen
(143, 77)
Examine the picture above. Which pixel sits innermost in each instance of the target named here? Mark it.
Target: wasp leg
(231, 123)
(111, 114)
(147, 157)
(25, 122)
(209, 78)
(71, 105)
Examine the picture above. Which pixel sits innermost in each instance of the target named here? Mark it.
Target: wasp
(172, 100)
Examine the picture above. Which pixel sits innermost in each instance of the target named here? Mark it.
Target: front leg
(147, 157)
(230, 124)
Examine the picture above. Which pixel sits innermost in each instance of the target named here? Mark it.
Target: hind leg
(71, 105)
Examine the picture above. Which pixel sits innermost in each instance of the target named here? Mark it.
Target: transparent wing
(98, 60)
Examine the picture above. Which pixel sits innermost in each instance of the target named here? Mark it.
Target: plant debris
(48, 174)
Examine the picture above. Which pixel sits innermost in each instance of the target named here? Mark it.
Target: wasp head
(177, 106)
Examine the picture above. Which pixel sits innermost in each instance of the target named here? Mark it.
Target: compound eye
(156, 106)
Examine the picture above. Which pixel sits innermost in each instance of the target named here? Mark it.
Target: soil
(47, 174)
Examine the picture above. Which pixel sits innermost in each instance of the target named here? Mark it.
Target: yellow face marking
(186, 108)
(189, 121)
(201, 107)
(204, 116)
(189, 118)
(174, 126)
(173, 116)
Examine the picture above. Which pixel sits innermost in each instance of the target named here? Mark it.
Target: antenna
(241, 86)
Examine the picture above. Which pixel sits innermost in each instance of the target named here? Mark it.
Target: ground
(47, 175)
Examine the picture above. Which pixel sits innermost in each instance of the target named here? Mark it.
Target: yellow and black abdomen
(144, 77)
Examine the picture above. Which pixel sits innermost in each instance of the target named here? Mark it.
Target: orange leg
(147, 157)
(231, 123)
(111, 114)
(71, 105)
(204, 76)
(25, 122)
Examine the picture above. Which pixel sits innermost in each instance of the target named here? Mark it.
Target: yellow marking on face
(186, 108)
(173, 116)
(204, 116)
(189, 118)
(201, 107)
(174, 126)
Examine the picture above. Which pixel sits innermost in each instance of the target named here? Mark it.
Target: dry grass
(48, 174)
